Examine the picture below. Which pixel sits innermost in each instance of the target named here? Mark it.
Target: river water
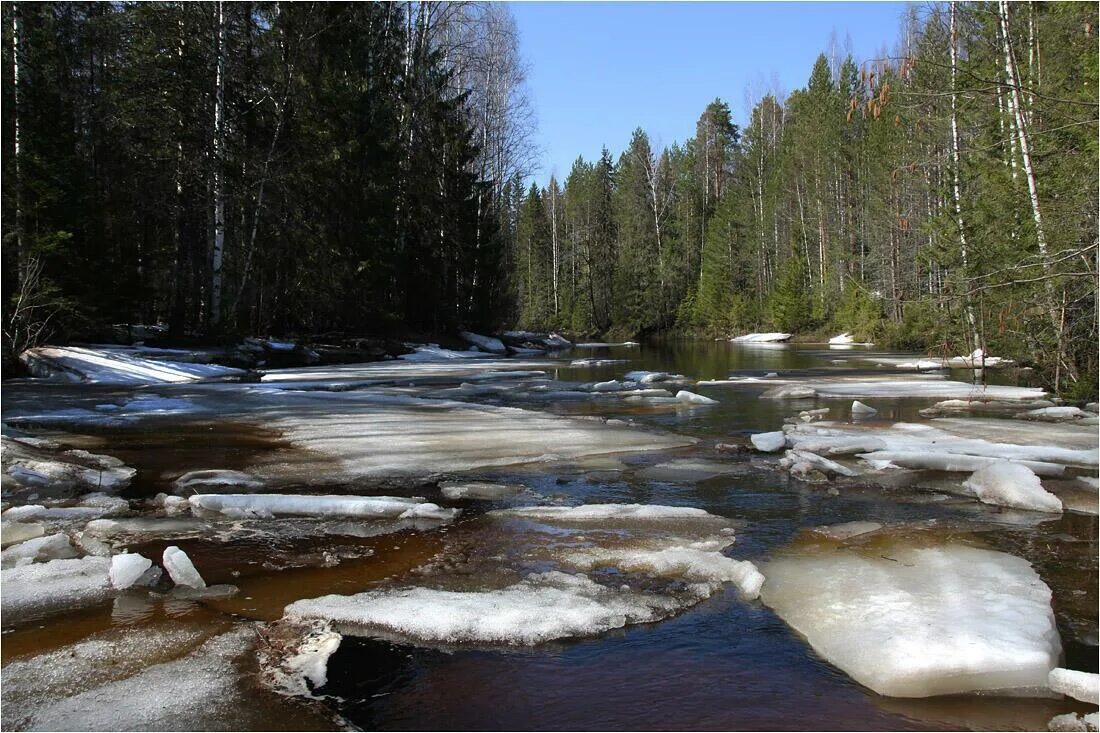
(723, 664)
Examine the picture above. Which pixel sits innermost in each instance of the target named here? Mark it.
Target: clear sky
(599, 70)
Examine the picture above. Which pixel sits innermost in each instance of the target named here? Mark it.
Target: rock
(180, 569)
(769, 442)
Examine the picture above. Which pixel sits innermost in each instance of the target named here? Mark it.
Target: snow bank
(540, 608)
(1083, 686)
(761, 338)
(41, 588)
(917, 622)
(1012, 485)
(105, 365)
(302, 505)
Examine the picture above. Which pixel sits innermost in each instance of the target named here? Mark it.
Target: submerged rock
(915, 622)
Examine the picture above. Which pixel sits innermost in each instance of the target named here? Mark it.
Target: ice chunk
(207, 480)
(769, 442)
(41, 588)
(611, 386)
(145, 528)
(1012, 485)
(846, 530)
(1083, 686)
(12, 533)
(180, 569)
(479, 490)
(890, 386)
(41, 549)
(914, 622)
(434, 352)
(608, 514)
(644, 377)
(844, 338)
(371, 507)
(540, 608)
(861, 410)
(126, 568)
(692, 398)
(595, 362)
(485, 343)
(688, 469)
(761, 338)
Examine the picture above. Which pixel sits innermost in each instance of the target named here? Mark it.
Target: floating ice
(595, 362)
(540, 608)
(298, 666)
(915, 622)
(41, 588)
(691, 564)
(1012, 485)
(145, 528)
(1054, 414)
(688, 469)
(817, 463)
(12, 533)
(844, 338)
(861, 410)
(611, 386)
(369, 507)
(33, 467)
(692, 398)
(644, 377)
(479, 490)
(846, 530)
(216, 479)
(1074, 723)
(602, 345)
(41, 549)
(180, 568)
(126, 568)
(951, 462)
(434, 352)
(897, 387)
(608, 514)
(769, 442)
(759, 338)
(485, 343)
(112, 365)
(1083, 686)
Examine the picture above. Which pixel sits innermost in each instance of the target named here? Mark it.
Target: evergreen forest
(302, 168)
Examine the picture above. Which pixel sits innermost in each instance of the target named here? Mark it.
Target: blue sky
(598, 70)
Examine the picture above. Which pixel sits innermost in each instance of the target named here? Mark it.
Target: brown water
(724, 664)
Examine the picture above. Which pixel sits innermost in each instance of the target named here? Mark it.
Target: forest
(301, 168)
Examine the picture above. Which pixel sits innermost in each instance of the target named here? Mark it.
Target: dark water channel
(724, 664)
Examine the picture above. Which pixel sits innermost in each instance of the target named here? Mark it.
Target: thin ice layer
(113, 365)
(540, 608)
(916, 622)
(694, 564)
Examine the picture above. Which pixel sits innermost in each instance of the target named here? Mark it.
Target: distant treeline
(942, 198)
(262, 167)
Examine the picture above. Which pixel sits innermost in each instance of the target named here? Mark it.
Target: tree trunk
(971, 324)
(218, 192)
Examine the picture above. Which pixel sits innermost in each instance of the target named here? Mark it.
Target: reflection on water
(724, 664)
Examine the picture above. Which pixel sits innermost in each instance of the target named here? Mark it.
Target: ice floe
(761, 338)
(31, 466)
(302, 505)
(207, 480)
(435, 352)
(895, 387)
(916, 622)
(40, 588)
(1055, 414)
(485, 343)
(691, 564)
(691, 398)
(861, 410)
(12, 533)
(844, 338)
(1012, 485)
(540, 608)
(608, 514)
(112, 365)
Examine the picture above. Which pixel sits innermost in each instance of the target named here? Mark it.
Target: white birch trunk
(971, 323)
(218, 193)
